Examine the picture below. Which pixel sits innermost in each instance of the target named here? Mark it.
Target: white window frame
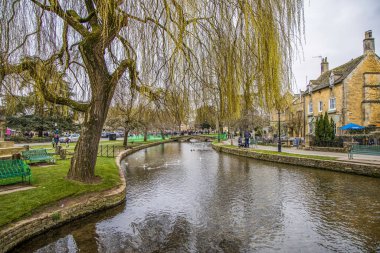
(310, 107)
(320, 106)
(330, 108)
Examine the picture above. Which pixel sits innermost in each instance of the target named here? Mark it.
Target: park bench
(14, 168)
(37, 155)
(363, 149)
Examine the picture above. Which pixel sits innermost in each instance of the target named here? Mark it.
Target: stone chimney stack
(368, 42)
(324, 65)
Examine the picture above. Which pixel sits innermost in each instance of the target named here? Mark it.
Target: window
(311, 107)
(332, 104)
(320, 106)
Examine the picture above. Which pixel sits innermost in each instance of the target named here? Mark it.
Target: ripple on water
(188, 198)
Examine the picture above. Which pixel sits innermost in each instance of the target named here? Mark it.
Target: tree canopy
(222, 47)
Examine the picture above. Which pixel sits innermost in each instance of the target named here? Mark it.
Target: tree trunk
(125, 141)
(145, 136)
(218, 129)
(84, 160)
(162, 135)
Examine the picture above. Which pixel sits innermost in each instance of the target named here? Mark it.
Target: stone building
(349, 93)
(291, 117)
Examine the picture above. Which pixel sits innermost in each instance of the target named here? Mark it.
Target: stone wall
(327, 149)
(339, 166)
(359, 90)
(14, 233)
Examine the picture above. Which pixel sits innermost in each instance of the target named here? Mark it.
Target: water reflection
(188, 198)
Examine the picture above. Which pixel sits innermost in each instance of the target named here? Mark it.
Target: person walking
(56, 138)
(247, 136)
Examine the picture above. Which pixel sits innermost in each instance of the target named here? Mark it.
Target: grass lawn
(270, 152)
(52, 186)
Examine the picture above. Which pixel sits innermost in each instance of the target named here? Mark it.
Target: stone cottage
(349, 93)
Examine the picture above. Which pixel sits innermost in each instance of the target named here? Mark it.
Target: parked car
(119, 134)
(72, 138)
(105, 134)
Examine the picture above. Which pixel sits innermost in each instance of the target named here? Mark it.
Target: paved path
(367, 159)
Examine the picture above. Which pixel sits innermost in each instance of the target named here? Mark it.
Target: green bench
(14, 168)
(37, 155)
(363, 149)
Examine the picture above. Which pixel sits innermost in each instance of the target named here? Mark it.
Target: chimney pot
(324, 65)
(368, 42)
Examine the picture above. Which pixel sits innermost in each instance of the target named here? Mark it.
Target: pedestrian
(56, 138)
(240, 144)
(296, 142)
(67, 141)
(53, 142)
(247, 136)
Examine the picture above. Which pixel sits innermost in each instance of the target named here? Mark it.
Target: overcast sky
(335, 29)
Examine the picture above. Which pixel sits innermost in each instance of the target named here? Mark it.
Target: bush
(22, 139)
(324, 132)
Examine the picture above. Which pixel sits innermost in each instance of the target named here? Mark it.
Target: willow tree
(23, 99)
(177, 104)
(246, 61)
(94, 43)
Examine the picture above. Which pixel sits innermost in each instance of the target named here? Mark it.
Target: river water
(185, 197)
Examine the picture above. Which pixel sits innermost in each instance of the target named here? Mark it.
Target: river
(185, 197)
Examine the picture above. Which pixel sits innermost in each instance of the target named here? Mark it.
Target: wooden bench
(363, 149)
(37, 155)
(14, 168)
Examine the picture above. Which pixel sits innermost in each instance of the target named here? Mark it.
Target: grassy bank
(269, 152)
(51, 186)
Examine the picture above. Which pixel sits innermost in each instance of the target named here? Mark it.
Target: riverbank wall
(338, 166)
(15, 233)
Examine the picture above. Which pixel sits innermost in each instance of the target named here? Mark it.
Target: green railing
(150, 137)
(222, 136)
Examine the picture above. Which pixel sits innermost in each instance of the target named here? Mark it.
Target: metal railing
(109, 150)
(333, 144)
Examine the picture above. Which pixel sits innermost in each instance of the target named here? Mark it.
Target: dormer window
(332, 79)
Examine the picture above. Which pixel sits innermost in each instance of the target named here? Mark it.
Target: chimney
(324, 65)
(368, 42)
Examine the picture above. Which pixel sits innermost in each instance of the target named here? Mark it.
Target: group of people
(247, 137)
(55, 140)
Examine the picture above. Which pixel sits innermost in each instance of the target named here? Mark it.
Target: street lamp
(279, 132)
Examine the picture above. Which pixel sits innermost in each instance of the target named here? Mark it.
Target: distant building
(291, 118)
(349, 93)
